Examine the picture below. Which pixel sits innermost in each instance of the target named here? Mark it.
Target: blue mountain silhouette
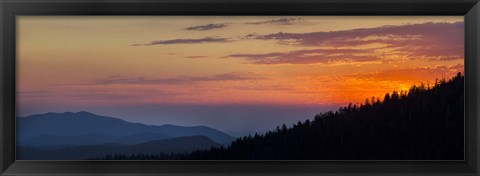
(172, 145)
(84, 128)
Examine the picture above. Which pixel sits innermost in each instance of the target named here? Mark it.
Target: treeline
(425, 123)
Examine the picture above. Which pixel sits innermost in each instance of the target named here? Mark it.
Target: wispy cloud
(185, 41)
(324, 56)
(411, 74)
(427, 41)
(206, 27)
(175, 80)
(383, 33)
(33, 93)
(281, 21)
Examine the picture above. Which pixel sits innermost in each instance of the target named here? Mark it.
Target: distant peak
(84, 112)
(69, 113)
(64, 114)
(52, 113)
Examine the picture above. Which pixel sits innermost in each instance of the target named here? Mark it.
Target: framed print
(240, 88)
(192, 88)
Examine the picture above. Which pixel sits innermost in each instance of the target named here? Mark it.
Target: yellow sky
(73, 60)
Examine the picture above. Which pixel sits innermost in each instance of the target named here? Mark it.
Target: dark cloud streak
(206, 27)
(185, 41)
(281, 21)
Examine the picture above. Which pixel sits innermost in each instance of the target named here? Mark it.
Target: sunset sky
(225, 72)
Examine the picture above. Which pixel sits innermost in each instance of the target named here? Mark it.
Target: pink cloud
(427, 41)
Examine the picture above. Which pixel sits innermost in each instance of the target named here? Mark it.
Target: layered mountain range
(83, 135)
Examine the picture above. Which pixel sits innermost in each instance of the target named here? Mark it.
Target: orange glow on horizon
(80, 61)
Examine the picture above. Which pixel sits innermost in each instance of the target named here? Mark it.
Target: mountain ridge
(80, 123)
(425, 123)
(171, 145)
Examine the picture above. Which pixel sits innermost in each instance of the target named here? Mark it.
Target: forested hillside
(425, 123)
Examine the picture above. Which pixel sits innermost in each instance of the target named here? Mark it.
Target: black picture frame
(9, 9)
